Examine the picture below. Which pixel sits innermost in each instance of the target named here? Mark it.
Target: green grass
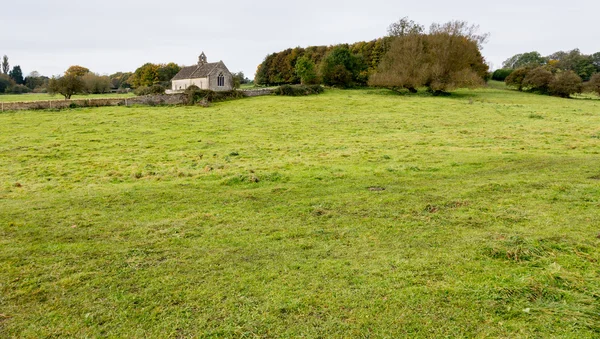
(45, 97)
(355, 213)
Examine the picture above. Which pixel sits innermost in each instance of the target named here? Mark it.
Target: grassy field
(353, 214)
(45, 97)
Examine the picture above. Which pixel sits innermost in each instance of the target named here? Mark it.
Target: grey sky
(120, 35)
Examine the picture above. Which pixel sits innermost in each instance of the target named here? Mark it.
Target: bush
(515, 79)
(18, 89)
(565, 84)
(501, 74)
(538, 80)
(5, 82)
(196, 95)
(342, 68)
(298, 90)
(594, 84)
(96, 84)
(154, 89)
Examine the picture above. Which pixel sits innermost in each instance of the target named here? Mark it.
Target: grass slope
(355, 213)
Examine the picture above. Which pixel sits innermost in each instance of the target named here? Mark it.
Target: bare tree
(463, 29)
(404, 27)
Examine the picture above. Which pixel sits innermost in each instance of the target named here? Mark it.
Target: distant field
(43, 96)
(352, 214)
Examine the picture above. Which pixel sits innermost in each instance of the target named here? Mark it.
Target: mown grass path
(355, 213)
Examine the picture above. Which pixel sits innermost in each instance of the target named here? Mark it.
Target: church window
(221, 80)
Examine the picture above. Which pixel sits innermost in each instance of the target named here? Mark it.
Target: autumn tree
(119, 80)
(66, 85)
(404, 27)
(538, 80)
(96, 84)
(516, 78)
(457, 28)
(77, 71)
(280, 68)
(404, 66)
(151, 74)
(166, 72)
(565, 84)
(146, 75)
(446, 58)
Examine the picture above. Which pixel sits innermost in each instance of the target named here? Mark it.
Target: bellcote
(202, 59)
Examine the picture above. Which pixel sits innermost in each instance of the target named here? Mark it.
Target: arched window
(221, 80)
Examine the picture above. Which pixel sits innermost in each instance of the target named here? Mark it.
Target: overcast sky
(120, 35)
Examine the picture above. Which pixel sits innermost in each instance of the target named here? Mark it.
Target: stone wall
(148, 100)
(257, 92)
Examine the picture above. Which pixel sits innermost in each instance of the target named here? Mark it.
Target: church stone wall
(213, 78)
(181, 85)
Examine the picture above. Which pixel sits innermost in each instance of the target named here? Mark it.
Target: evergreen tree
(17, 75)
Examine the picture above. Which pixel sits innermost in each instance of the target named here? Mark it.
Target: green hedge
(154, 89)
(501, 74)
(298, 90)
(196, 95)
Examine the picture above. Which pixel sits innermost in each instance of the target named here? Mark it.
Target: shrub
(501, 74)
(565, 84)
(538, 80)
(515, 78)
(594, 84)
(196, 95)
(5, 82)
(96, 84)
(18, 89)
(154, 89)
(299, 90)
(340, 67)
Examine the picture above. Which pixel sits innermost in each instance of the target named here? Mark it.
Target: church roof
(196, 71)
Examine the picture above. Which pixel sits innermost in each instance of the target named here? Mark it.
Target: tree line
(562, 73)
(441, 58)
(342, 65)
(13, 82)
(77, 79)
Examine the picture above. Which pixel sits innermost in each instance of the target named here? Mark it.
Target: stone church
(214, 76)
